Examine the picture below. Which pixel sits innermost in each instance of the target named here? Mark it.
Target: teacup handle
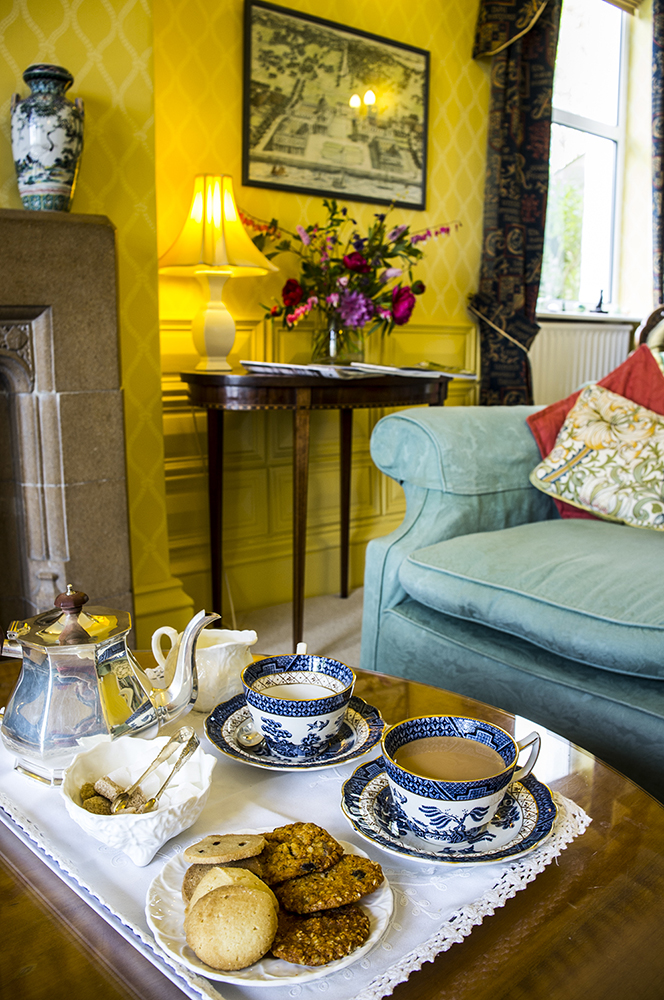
(535, 741)
(156, 642)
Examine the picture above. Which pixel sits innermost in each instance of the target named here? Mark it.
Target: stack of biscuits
(291, 891)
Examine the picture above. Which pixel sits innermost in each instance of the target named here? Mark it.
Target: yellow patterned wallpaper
(198, 113)
(198, 120)
(107, 46)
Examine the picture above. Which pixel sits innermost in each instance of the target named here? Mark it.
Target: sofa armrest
(463, 470)
(465, 450)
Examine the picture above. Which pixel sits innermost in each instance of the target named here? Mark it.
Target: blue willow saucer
(524, 819)
(361, 730)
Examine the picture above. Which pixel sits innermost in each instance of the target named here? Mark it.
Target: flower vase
(334, 344)
(47, 139)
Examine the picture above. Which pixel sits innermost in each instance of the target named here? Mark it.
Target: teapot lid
(68, 625)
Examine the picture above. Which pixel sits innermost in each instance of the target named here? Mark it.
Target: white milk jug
(221, 654)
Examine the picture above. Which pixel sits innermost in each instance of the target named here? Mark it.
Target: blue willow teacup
(446, 809)
(298, 702)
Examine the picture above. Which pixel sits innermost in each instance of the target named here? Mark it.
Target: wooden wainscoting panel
(258, 469)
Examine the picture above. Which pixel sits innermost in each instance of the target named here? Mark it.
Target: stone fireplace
(63, 497)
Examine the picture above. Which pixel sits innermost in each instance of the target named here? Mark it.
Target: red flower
(356, 262)
(292, 292)
(403, 303)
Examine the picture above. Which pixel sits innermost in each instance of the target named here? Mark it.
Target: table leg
(215, 424)
(301, 423)
(345, 459)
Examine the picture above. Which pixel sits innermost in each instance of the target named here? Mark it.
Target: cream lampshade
(213, 247)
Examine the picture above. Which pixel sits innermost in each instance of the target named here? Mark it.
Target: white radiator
(565, 354)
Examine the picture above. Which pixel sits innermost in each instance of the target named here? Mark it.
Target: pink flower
(391, 272)
(343, 281)
(333, 299)
(403, 303)
(356, 262)
(303, 234)
(396, 233)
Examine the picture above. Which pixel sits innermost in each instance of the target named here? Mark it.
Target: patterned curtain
(521, 37)
(658, 150)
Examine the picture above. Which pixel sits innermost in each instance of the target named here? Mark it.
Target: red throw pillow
(639, 379)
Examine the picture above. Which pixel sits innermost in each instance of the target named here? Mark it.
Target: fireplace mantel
(63, 496)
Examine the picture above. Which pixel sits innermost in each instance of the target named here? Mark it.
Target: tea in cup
(220, 656)
(448, 774)
(298, 701)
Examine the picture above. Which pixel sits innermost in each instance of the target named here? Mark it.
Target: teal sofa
(486, 591)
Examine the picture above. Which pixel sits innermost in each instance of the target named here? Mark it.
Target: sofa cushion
(608, 459)
(587, 590)
(639, 378)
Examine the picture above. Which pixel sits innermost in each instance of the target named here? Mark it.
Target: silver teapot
(80, 684)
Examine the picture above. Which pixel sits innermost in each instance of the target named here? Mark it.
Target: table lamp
(213, 247)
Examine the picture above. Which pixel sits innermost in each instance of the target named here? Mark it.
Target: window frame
(616, 133)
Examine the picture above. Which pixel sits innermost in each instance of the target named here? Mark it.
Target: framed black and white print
(332, 111)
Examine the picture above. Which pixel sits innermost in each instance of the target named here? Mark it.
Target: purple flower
(391, 272)
(355, 309)
(403, 303)
(396, 233)
(303, 234)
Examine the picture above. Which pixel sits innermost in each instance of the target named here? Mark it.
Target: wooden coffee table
(589, 926)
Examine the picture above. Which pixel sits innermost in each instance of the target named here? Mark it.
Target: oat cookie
(316, 939)
(345, 882)
(297, 849)
(231, 927)
(222, 847)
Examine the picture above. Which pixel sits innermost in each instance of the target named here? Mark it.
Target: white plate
(164, 910)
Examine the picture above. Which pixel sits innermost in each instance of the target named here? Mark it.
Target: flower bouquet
(349, 282)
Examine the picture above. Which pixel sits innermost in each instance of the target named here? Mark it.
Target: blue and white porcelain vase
(47, 139)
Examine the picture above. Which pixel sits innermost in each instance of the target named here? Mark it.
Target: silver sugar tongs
(185, 735)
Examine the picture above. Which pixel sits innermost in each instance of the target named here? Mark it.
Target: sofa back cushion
(588, 590)
(639, 378)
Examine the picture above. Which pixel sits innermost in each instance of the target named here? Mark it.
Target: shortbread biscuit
(345, 882)
(217, 877)
(297, 849)
(231, 927)
(319, 938)
(195, 873)
(222, 847)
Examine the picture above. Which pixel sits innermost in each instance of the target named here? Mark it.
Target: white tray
(247, 798)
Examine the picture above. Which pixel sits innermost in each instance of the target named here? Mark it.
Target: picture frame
(301, 132)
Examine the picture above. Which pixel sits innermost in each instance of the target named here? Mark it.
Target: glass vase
(334, 344)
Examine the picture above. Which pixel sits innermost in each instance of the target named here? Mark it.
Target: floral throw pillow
(608, 459)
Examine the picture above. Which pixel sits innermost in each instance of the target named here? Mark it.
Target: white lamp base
(213, 327)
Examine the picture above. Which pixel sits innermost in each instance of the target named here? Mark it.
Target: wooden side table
(237, 390)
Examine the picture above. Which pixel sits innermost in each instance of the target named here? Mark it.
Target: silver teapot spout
(176, 699)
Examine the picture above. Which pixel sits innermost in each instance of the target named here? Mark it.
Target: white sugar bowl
(139, 835)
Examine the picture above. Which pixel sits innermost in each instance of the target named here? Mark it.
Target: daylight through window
(586, 157)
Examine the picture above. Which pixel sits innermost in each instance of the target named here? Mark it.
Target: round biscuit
(231, 927)
(217, 877)
(222, 847)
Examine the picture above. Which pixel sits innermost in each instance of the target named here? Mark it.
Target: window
(587, 140)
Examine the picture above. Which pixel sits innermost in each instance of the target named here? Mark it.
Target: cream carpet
(332, 627)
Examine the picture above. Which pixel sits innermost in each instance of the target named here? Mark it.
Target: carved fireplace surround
(63, 498)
